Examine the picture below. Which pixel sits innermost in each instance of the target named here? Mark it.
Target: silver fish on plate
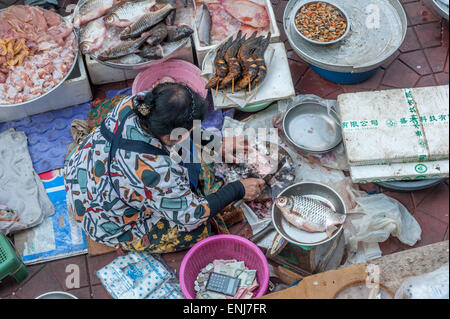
(124, 48)
(309, 214)
(92, 36)
(204, 29)
(128, 12)
(146, 22)
(152, 52)
(129, 59)
(92, 9)
(157, 34)
(176, 33)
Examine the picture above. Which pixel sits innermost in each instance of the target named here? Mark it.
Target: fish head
(284, 203)
(111, 18)
(85, 47)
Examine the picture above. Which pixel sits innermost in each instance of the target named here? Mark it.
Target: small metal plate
(411, 186)
(378, 29)
(441, 8)
(312, 127)
(316, 191)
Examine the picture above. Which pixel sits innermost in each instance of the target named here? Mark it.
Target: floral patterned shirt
(154, 187)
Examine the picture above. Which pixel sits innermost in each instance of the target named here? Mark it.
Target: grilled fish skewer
(248, 63)
(220, 64)
(261, 62)
(234, 67)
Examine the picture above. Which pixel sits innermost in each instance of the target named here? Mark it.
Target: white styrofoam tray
(201, 50)
(75, 90)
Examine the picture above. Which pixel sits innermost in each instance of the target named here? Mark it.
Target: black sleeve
(226, 195)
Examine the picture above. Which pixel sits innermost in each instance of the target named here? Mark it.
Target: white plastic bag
(434, 285)
(378, 216)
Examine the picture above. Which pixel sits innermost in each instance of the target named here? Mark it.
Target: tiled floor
(422, 60)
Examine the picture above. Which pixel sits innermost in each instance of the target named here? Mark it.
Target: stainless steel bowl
(56, 295)
(342, 11)
(313, 127)
(316, 191)
(75, 61)
(441, 8)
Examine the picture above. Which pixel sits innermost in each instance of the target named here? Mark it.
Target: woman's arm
(173, 198)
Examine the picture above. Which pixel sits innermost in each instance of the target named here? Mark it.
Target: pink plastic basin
(181, 71)
(223, 247)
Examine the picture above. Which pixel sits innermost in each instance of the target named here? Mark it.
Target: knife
(266, 179)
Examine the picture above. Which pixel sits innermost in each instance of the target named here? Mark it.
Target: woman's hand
(253, 188)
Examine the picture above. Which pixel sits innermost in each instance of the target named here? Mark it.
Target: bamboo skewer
(217, 88)
(232, 86)
(224, 96)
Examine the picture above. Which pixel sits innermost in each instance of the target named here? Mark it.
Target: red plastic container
(223, 247)
(181, 71)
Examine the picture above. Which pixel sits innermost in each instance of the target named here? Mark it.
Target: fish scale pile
(37, 50)
(131, 32)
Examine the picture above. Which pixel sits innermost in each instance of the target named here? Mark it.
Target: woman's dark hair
(167, 107)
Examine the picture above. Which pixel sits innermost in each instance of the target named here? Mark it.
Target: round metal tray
(316, 191)
(411, 186)
(56, 295)
(75, 60)
(138, 66)
(441, 8)
(312, 127)
(342, 11)
(377, 31)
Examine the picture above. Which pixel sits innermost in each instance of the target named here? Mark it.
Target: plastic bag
(434, 285)
(337, 158)
(24, 201)
(378, 216)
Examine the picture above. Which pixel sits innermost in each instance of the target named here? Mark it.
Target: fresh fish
(92, 9)
(124, 48)
(204, 29)
(309, 214)
(92, 36)
(152, 52)
(147, 21)
(175, 33)
(129, 59)
(126, 13)
(157, 34)
(171, 47)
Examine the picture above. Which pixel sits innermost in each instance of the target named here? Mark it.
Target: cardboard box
(399, 172)
(201, 50)
(395, 126)
(325, 285)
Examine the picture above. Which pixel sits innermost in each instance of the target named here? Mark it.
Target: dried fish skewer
(220, 64)
(233, 63)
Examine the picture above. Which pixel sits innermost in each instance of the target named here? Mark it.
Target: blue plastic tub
(344, 78)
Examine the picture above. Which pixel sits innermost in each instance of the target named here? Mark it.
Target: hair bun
(141, 103)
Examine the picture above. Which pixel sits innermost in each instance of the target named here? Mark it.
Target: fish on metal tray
(128, 12)
(175, 33)
(146, 22)
(92, 36)
(157, 34)
(124, 48)
(309, 214)
(128, 59)
(204, 29)
(92, 9)
(151, 52)
(171, 47)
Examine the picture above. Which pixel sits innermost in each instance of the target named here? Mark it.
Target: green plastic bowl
(254, 107)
